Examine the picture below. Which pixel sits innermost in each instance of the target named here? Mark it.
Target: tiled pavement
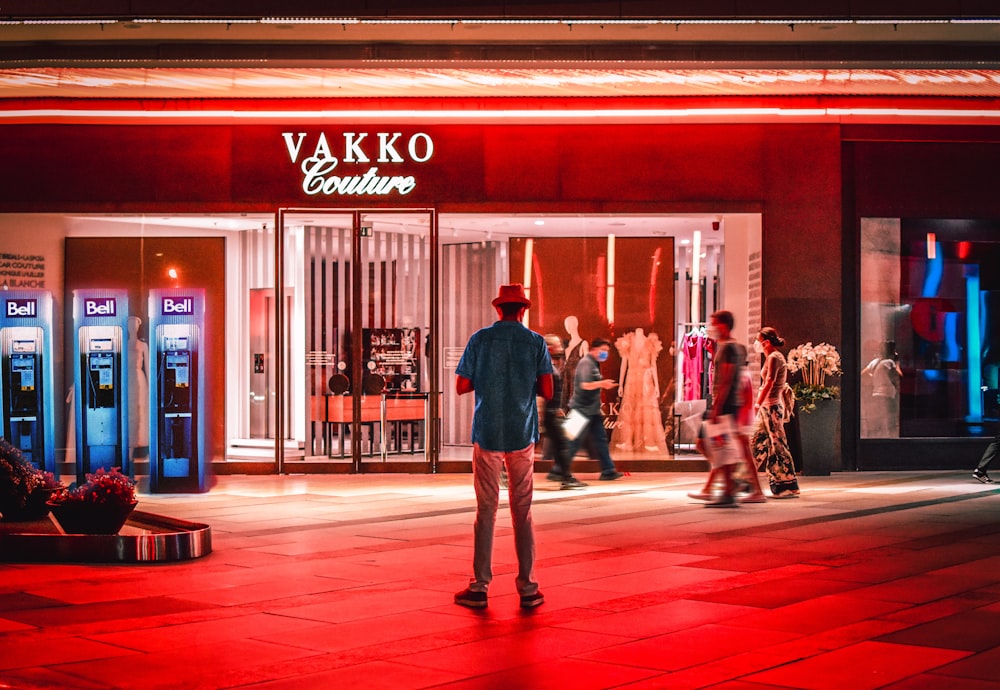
(869, 580)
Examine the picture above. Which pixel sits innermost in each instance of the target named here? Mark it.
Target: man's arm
(543, 385)
(463, 385)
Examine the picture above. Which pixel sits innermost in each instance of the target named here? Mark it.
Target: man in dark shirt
(587, 386)
(506, 365)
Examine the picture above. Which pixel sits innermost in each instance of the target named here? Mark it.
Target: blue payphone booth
(176, 398)
(26, 412)
(100, 319)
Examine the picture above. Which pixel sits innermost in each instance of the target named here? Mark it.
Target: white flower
(815, 362)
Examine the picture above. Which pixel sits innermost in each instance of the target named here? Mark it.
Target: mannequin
(640, 425)
(138, 391)
(576, 349)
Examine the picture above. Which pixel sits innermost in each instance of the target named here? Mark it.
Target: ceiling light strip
(703, 21)
(66, 114)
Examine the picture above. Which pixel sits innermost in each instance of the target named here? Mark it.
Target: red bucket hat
(511, 294)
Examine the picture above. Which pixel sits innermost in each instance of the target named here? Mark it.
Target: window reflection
(930, 327)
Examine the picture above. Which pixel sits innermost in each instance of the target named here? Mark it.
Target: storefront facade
(346, 248)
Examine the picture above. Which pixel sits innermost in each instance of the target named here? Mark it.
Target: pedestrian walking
(587, 386)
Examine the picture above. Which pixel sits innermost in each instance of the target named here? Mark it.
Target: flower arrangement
(24, 488)
(815, 363)
(102, 487)
(100, 505)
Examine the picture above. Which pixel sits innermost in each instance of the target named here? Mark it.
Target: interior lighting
(82, 22)
(973, 342)
(602, 22)
(198, 21)
(529, 258)
(902, 21)
(931, 246)
(309, 20)
(569, 21)
(711, 114)
(511, 21)
(610, 294)
(405, 21)
(696, 277)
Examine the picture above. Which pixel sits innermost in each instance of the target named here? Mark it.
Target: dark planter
(78, 517)
(35, 508)
(820, 435)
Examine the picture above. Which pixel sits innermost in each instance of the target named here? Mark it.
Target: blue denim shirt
(503, 361)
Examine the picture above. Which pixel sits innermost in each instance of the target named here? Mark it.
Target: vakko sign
(349, 165)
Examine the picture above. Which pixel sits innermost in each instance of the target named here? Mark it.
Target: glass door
(357, 372)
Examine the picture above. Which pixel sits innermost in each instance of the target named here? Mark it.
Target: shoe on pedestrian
(786, 494)
(723, 501)
(754, 498)
(700, 495)
(530, 601)
(554, 476)
(610, 476)
(982, 476)
(471, 599)
(572, 483)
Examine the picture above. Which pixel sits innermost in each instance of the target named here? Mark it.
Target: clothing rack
(683, 328)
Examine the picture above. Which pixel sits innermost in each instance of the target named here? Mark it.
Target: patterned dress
(768, 443)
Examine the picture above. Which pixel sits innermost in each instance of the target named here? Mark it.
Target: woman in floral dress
(769, 445)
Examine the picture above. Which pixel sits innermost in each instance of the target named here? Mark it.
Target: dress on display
(640, 426)
(574, 353)
(696, 349)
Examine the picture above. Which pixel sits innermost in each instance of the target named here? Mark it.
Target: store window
(930, 327)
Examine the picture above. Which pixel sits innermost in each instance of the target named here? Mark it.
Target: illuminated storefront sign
(359, 148)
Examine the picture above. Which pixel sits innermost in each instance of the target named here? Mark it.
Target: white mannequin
(138, 389)
(572, 325)
(576, 349)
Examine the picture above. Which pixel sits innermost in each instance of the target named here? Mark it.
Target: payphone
(26, 412)
(100, 318)
(176, 435)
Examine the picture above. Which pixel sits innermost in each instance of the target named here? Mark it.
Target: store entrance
(356, 374)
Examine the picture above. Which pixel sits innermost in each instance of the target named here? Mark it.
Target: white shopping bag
(721, 442)
(574, 424)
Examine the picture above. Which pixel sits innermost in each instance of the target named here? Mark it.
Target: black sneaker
(554, 476)
(572, 483)
(610, 476)
(472, 600)
(982, 476)
(530, 601)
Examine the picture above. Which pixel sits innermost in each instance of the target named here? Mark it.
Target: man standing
(506, 365)
(587, 387)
